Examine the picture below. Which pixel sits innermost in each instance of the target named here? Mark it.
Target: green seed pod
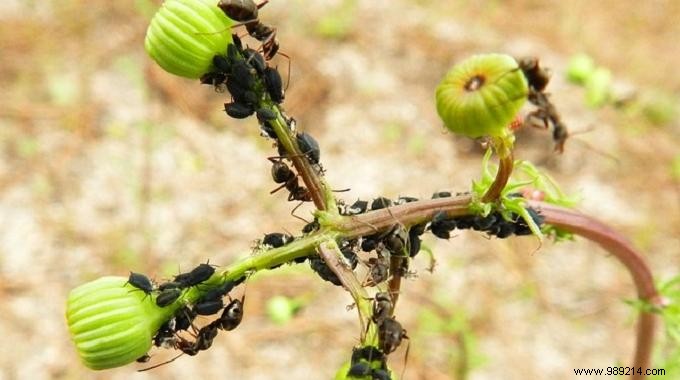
(481, 95)
(185, 35)
(112, 324)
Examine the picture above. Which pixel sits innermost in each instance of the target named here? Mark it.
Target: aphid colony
(404, 242)
(210, 303)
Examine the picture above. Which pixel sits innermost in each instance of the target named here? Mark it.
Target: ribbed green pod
(112, 324)
(185, 35)
(481, 95)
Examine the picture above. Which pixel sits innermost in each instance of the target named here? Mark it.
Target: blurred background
(108, 164)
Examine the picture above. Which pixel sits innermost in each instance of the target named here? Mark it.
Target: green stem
(315, 185)
(332, 255)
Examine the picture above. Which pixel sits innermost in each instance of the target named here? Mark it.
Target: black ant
(546, 114)
(246, 12)
(281, 173)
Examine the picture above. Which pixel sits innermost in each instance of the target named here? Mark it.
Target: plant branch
(623, 250)
(315, 185)
(502, 176)
(330, 253)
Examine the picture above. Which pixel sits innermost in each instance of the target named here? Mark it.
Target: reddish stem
(502, 176)
(622, 249)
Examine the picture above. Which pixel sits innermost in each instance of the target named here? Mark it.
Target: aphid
(319, 266)
(395, 242)
(208, 307)
(483, 223)
(232, 315)
(418, 229)
(380, 203)
(414, 243)
(380, 374)
(390, 335)
(464, 222)
(181, 279)
(276, 239)
(309, 147)
(537, 77)
(168, 296)
(311, 226)
(403, 200)
(222, 63)
(199, 274)
(441, 194)
(238, 110)
(243, 74)
(140, 282)
(506, 229)
(170, 285)
(265, 114)
(368, 353)
(521, 226)
(266, 130)
(359, 369)
(347, 248)
(358, 207)
(256, 60)
(368, 244)
(218, 292)
(274, 84)
(441, 225)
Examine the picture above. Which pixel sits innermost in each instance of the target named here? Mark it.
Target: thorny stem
(502, 176)
(616, 244)
(330, 253)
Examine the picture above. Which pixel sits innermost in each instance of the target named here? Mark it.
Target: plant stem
(502, 176)
(330, 253)
(315, 185)
(417, 212)
(616, 244)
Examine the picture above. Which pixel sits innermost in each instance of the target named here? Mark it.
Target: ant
(246, 12)
(281, 173)
(546, 114)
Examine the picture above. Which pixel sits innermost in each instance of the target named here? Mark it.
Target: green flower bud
(580, 68)
(112, 324)
(481, 95)
(185, 35)
(598, 88)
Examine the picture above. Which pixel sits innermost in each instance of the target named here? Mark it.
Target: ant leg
(262, 4)
(278, 188)
(160, 364)
(293, 212)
